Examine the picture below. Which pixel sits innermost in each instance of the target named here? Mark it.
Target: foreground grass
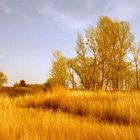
(70, 116)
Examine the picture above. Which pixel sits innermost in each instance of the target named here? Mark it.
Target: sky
(30, 30)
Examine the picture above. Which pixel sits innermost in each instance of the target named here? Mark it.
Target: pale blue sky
(31, 29)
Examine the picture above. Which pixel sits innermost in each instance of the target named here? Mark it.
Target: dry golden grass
(70, 115)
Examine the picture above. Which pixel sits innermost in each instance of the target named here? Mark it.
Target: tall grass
(70, 115)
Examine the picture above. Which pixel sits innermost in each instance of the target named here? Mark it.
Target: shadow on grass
(106, 117)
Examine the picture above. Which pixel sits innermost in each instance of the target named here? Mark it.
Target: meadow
(70, 115)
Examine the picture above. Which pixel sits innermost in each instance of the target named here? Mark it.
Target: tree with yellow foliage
(3, 78)
(136, 63)
(101, 60)
(58, 73)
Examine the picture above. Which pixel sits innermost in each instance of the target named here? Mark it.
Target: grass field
(70, 115)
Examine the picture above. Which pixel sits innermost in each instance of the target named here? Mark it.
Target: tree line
(107, 58)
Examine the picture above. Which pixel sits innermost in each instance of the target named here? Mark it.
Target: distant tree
(16, 84)
(3, 78)
(58, 73)
(22, 83)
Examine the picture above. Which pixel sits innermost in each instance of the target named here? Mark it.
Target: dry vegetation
(70, 115)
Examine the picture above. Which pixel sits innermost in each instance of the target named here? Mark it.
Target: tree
(136, 63)
(72, 82)
(22, 83)
(102, 58)
(105, 38)
(3, 78)
(83, 65)
(110, 43)
(123, 46)
(102, 52)
(58, 73)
